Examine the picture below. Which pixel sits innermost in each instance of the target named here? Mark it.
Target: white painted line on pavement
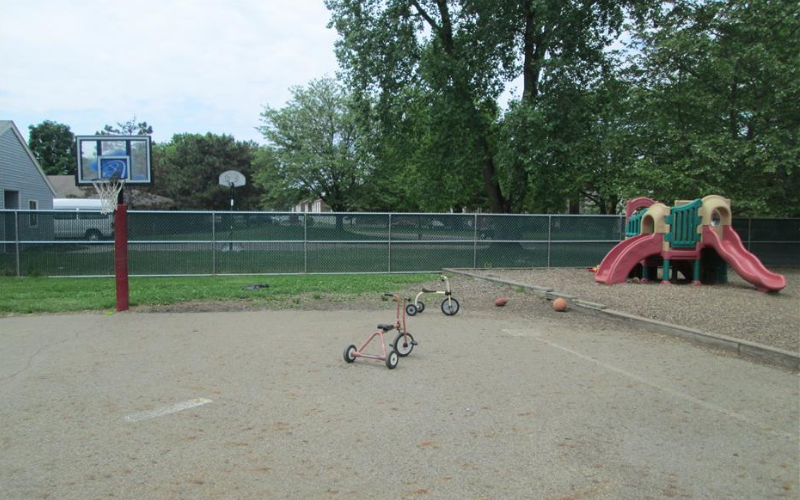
(168, 410)
(673, 392)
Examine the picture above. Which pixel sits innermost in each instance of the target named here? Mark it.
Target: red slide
(619, 262)
(747, 265)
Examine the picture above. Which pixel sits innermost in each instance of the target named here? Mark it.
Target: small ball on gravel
(500, 302)
(560, 304)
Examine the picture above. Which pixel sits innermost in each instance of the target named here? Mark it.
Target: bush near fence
(176, 243)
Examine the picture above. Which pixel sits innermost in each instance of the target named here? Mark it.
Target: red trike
(403, 343)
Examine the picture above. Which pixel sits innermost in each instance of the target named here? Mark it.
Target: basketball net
(109, 193)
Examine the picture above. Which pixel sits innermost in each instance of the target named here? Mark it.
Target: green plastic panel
(683, 221)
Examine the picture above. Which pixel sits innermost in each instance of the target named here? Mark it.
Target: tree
(422, 58)
(53, 145)
(129, 127)
(313, 148)
(715, 102)
(187, 170)
(440, 66)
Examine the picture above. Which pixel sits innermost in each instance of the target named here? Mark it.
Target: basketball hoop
(108, 191)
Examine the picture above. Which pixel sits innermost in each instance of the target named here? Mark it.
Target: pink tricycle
(403, 343)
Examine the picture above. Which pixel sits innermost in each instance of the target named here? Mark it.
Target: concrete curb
(741, 347)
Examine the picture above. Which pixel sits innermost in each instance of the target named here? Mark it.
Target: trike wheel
(450, 306)
(391, 360)
(420, 306)
(403, 344)
(411, 309)
(349, 353)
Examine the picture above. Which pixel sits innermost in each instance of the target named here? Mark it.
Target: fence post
(475, 243)
(749, 232)
(305, 242)
(549, 236)
(16, 238)
(390, 242)
(213, 243)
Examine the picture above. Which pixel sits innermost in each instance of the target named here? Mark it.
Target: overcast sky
(181, 65)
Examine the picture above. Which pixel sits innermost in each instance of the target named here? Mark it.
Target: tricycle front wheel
(450, 306)
(404, 344)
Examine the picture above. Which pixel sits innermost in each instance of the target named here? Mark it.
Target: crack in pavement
(37, 353)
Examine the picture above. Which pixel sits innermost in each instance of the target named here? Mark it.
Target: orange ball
(560, 304)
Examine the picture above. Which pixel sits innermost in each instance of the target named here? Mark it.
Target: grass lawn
(40, 295)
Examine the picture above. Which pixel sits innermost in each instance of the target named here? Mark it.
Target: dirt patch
(735, 309)
(474, 296)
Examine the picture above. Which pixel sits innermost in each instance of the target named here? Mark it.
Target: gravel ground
(736, 309)
(510, 403)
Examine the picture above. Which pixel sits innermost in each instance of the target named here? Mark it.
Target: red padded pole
(121, 255)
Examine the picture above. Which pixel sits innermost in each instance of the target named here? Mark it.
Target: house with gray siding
(23, 186)
(23, 183)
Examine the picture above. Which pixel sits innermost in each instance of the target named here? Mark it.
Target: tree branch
(425, 15)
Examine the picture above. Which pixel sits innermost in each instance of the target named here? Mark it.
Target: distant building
(23, 183)
(137, 198)
(312, 206)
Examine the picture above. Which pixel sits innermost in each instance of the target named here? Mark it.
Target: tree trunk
(497, 202)
(575, 204)
(533, 48)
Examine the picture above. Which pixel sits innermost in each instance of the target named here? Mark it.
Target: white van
(83, 219)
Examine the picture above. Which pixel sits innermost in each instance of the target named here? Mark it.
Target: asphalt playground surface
(260, 404)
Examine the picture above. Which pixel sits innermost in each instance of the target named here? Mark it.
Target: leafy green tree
(313, 148)
(435, 70)
(53, 145)
(276, 192)
(129, 127)
(716, 104)
(434, 89)
(187, 169)
(572, 145)
(556, 141)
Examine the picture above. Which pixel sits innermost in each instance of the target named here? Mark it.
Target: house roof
(8, 125)
(65, 187)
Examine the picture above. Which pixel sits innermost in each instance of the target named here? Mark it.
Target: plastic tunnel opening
(648, 224)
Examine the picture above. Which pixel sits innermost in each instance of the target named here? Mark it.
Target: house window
(33, 219)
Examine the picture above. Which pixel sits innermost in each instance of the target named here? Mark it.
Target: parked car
(81, 218)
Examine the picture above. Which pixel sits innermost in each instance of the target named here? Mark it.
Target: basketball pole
(121, 252)
(233, 188)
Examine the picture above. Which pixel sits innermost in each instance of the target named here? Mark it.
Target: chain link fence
(70, 243)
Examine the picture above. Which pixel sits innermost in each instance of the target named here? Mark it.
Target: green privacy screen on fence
(53, 243)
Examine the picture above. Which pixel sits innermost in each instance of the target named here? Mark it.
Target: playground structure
(693, 237)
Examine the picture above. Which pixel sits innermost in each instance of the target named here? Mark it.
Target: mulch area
(735, 309)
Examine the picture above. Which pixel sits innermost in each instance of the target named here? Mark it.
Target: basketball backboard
(103, 157)
(232, 178)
